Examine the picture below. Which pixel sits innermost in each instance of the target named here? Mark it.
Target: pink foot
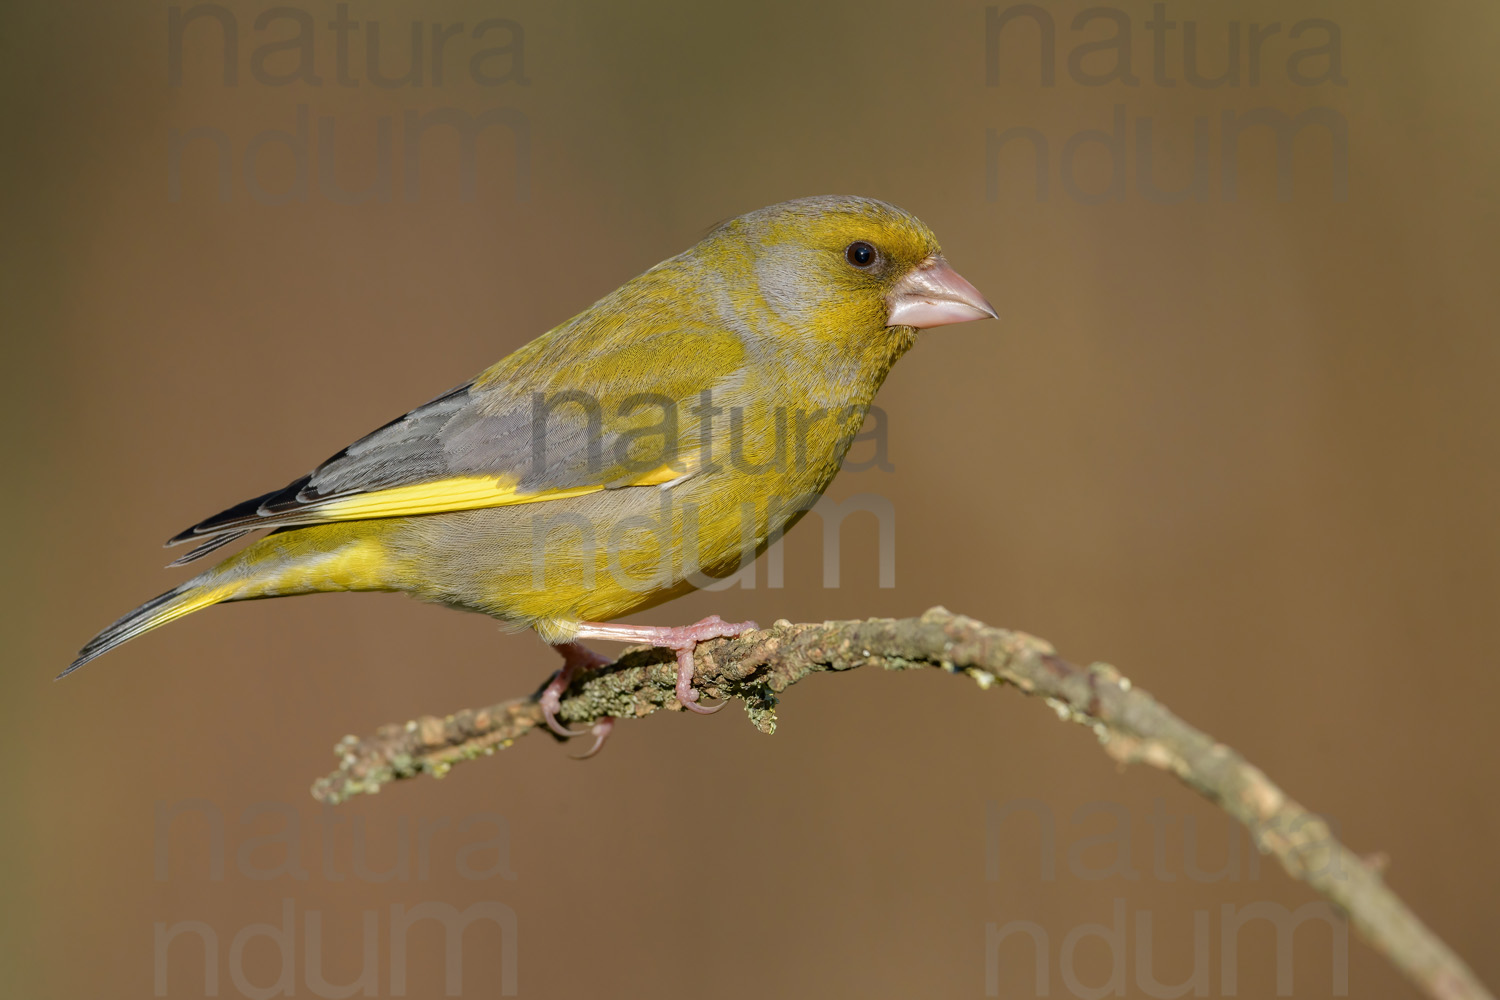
(680, 639)
(601, 731)
(576, 657)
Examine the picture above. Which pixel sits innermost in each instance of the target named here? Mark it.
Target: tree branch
(1130, 724)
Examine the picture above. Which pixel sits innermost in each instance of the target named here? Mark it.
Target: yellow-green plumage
(634, 488)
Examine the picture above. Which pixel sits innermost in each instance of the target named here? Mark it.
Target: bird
(652, 443)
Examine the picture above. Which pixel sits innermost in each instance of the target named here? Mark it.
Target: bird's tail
(307, 560)
(191, 596)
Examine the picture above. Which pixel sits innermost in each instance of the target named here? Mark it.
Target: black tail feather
(142, 619)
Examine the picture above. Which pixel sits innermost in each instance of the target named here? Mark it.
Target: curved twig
(1130, 724)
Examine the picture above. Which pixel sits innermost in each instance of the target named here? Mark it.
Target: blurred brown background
(1242, 448)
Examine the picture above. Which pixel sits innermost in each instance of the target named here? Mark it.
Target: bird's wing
(604, 416)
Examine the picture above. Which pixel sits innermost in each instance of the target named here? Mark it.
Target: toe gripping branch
(579, 660)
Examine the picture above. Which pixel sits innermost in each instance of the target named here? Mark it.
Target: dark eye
(860, 254)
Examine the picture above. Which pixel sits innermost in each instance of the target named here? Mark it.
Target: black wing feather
(406, 449)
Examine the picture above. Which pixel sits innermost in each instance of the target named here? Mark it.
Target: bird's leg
(576, 657)
(680, 639)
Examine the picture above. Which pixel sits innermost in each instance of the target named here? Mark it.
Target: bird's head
(849, 264)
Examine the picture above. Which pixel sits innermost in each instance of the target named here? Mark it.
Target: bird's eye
(860, 254)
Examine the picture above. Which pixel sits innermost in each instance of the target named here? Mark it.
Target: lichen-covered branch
(1131, 725)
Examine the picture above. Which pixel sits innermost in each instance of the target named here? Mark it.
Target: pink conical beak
(935, 295)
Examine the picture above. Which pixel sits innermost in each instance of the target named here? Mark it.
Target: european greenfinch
(649, 444)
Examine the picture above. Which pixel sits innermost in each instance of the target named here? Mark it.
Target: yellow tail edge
(184, 600)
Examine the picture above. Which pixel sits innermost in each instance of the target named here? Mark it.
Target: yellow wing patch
(462, 493)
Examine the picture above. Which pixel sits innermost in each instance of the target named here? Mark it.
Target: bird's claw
(576, 658)
(681, 640)
(601, 730)
(551, 701)
(684, 640)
